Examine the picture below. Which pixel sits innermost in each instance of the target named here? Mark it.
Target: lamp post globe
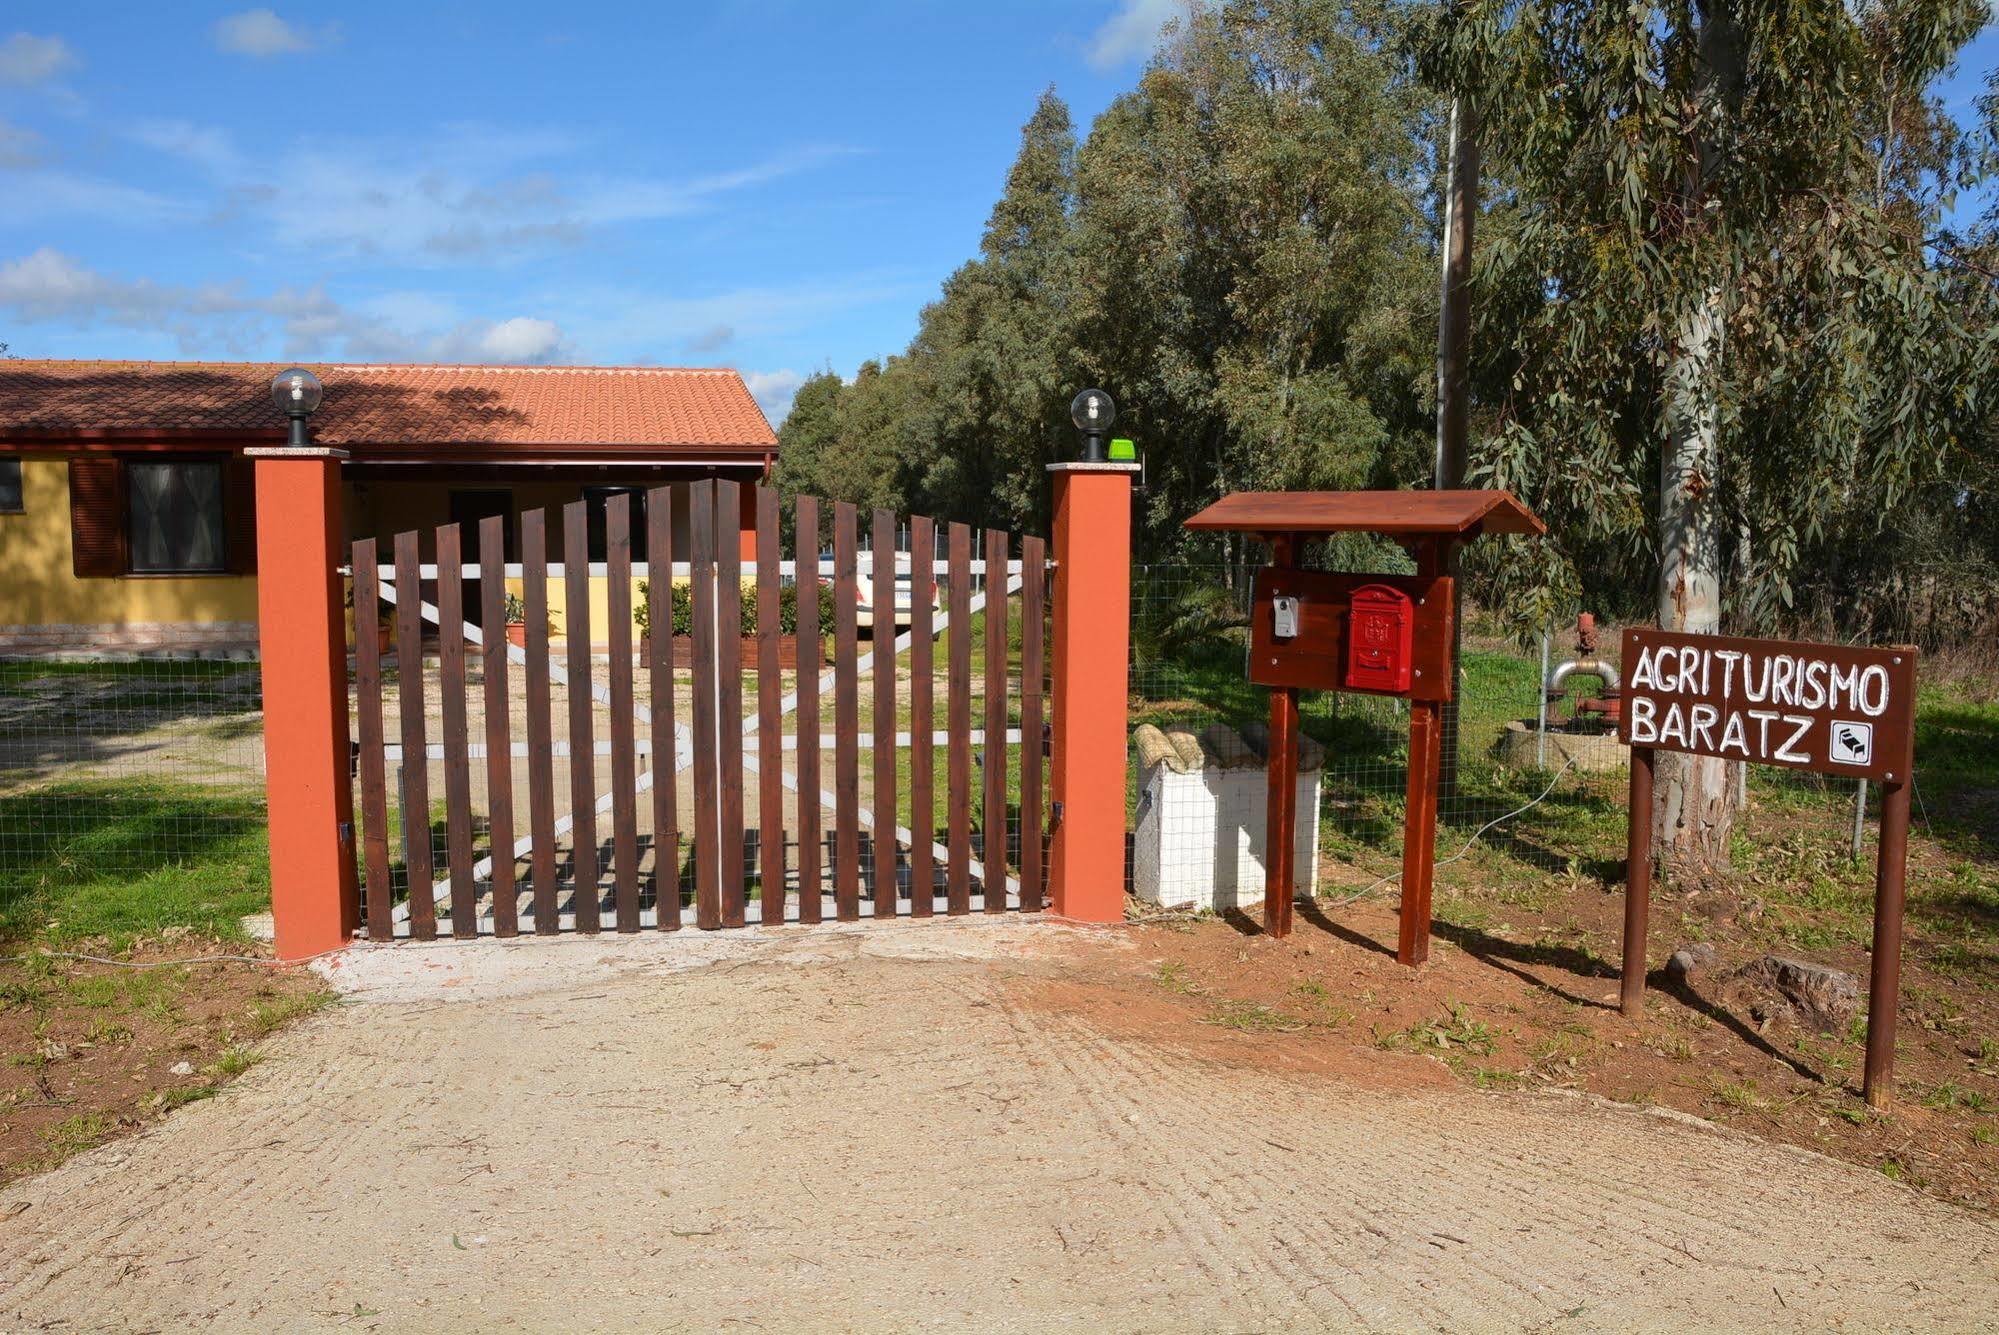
(1093, 412)
(297, 392)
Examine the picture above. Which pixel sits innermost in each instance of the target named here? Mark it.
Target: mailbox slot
(1380, 639)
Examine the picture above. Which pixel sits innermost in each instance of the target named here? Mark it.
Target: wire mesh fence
(1189, 672)
(143, 771)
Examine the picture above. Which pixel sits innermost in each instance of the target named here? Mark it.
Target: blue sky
(773, 186)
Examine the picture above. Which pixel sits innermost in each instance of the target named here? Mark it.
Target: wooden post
(1419, 818)
(1884, 980)
(1280, 889)
(1092, 616)
(1419, 830)
(1637, 881)
(302, 640)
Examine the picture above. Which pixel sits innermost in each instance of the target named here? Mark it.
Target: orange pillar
(1092, 612)
(746, 524)
(302, 634)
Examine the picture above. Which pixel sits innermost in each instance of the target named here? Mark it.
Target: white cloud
(223, 320)
(468, 193)
(35, 192)
(521, 339)
(27, 60)
(1132, 32)
(261, 33)
(18, 147)
(204, 145)
(774, 391)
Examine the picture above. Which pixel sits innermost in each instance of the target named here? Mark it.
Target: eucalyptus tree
(1707, 317)
(1253, 243)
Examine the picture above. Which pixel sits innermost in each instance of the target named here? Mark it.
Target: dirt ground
(1530, 1001)
(94, 1051)
(989, 1125)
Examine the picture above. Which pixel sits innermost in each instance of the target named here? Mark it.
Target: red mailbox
(1380, 639)
(1376, 616)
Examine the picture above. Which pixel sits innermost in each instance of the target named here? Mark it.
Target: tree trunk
(1694, 812)
(1694, 809)
(1454, 376)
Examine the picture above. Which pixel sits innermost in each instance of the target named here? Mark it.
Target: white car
(864, 594)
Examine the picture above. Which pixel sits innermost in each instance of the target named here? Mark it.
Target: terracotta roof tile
(392, 405)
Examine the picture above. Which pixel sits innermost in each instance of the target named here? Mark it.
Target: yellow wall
(41, 587)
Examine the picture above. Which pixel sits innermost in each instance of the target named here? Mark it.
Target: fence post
(302, 639)
(1092, 614)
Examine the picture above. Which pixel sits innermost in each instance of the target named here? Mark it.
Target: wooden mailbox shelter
(1372, 634)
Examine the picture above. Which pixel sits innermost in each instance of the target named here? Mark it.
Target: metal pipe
(1589, 667)
(1541, 726)
(1859, 816)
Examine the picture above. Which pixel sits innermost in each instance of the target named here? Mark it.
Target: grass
(114, 860)
(1253, 1018)
(1456, 1035)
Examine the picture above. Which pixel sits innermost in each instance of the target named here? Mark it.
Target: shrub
(683, 609)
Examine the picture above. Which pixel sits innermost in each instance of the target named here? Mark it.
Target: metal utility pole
(1454, 364)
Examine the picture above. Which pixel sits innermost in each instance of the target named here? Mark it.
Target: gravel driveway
(921, 1126)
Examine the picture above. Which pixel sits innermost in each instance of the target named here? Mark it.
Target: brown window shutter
(97, 517)
(239, 513)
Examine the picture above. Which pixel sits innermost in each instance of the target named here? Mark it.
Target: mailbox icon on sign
(1380, 635)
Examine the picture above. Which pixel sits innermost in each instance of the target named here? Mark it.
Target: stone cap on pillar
(1096, 466)
(293, 452)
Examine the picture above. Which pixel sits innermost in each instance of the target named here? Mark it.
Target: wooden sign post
(1827, 708)
(1368, 634)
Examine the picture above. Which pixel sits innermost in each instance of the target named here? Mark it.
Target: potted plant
(385, 624)
(517, 621)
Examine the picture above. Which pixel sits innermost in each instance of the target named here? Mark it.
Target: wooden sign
(1399, 644)
(1829, 708)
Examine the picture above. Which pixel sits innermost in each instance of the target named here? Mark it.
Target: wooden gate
(691, 765)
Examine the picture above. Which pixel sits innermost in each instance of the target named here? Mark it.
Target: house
(126, 505)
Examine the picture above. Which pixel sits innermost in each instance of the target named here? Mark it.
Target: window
(174, 518)
(10, 487)
(597, 498)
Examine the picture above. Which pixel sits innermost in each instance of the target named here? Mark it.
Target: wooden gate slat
(1033, 583)
(707, 858)
(958, 720)
(499, 744)
(409, 705)
(882, 636)
(729, 694)
(805, 551)
(993, 856)
(380, 893)
(665, 750)
(541, 765)
(770, 719)
(922, 745)
(457, 735)
(624, 721)
(846, 722)
(582, 732)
